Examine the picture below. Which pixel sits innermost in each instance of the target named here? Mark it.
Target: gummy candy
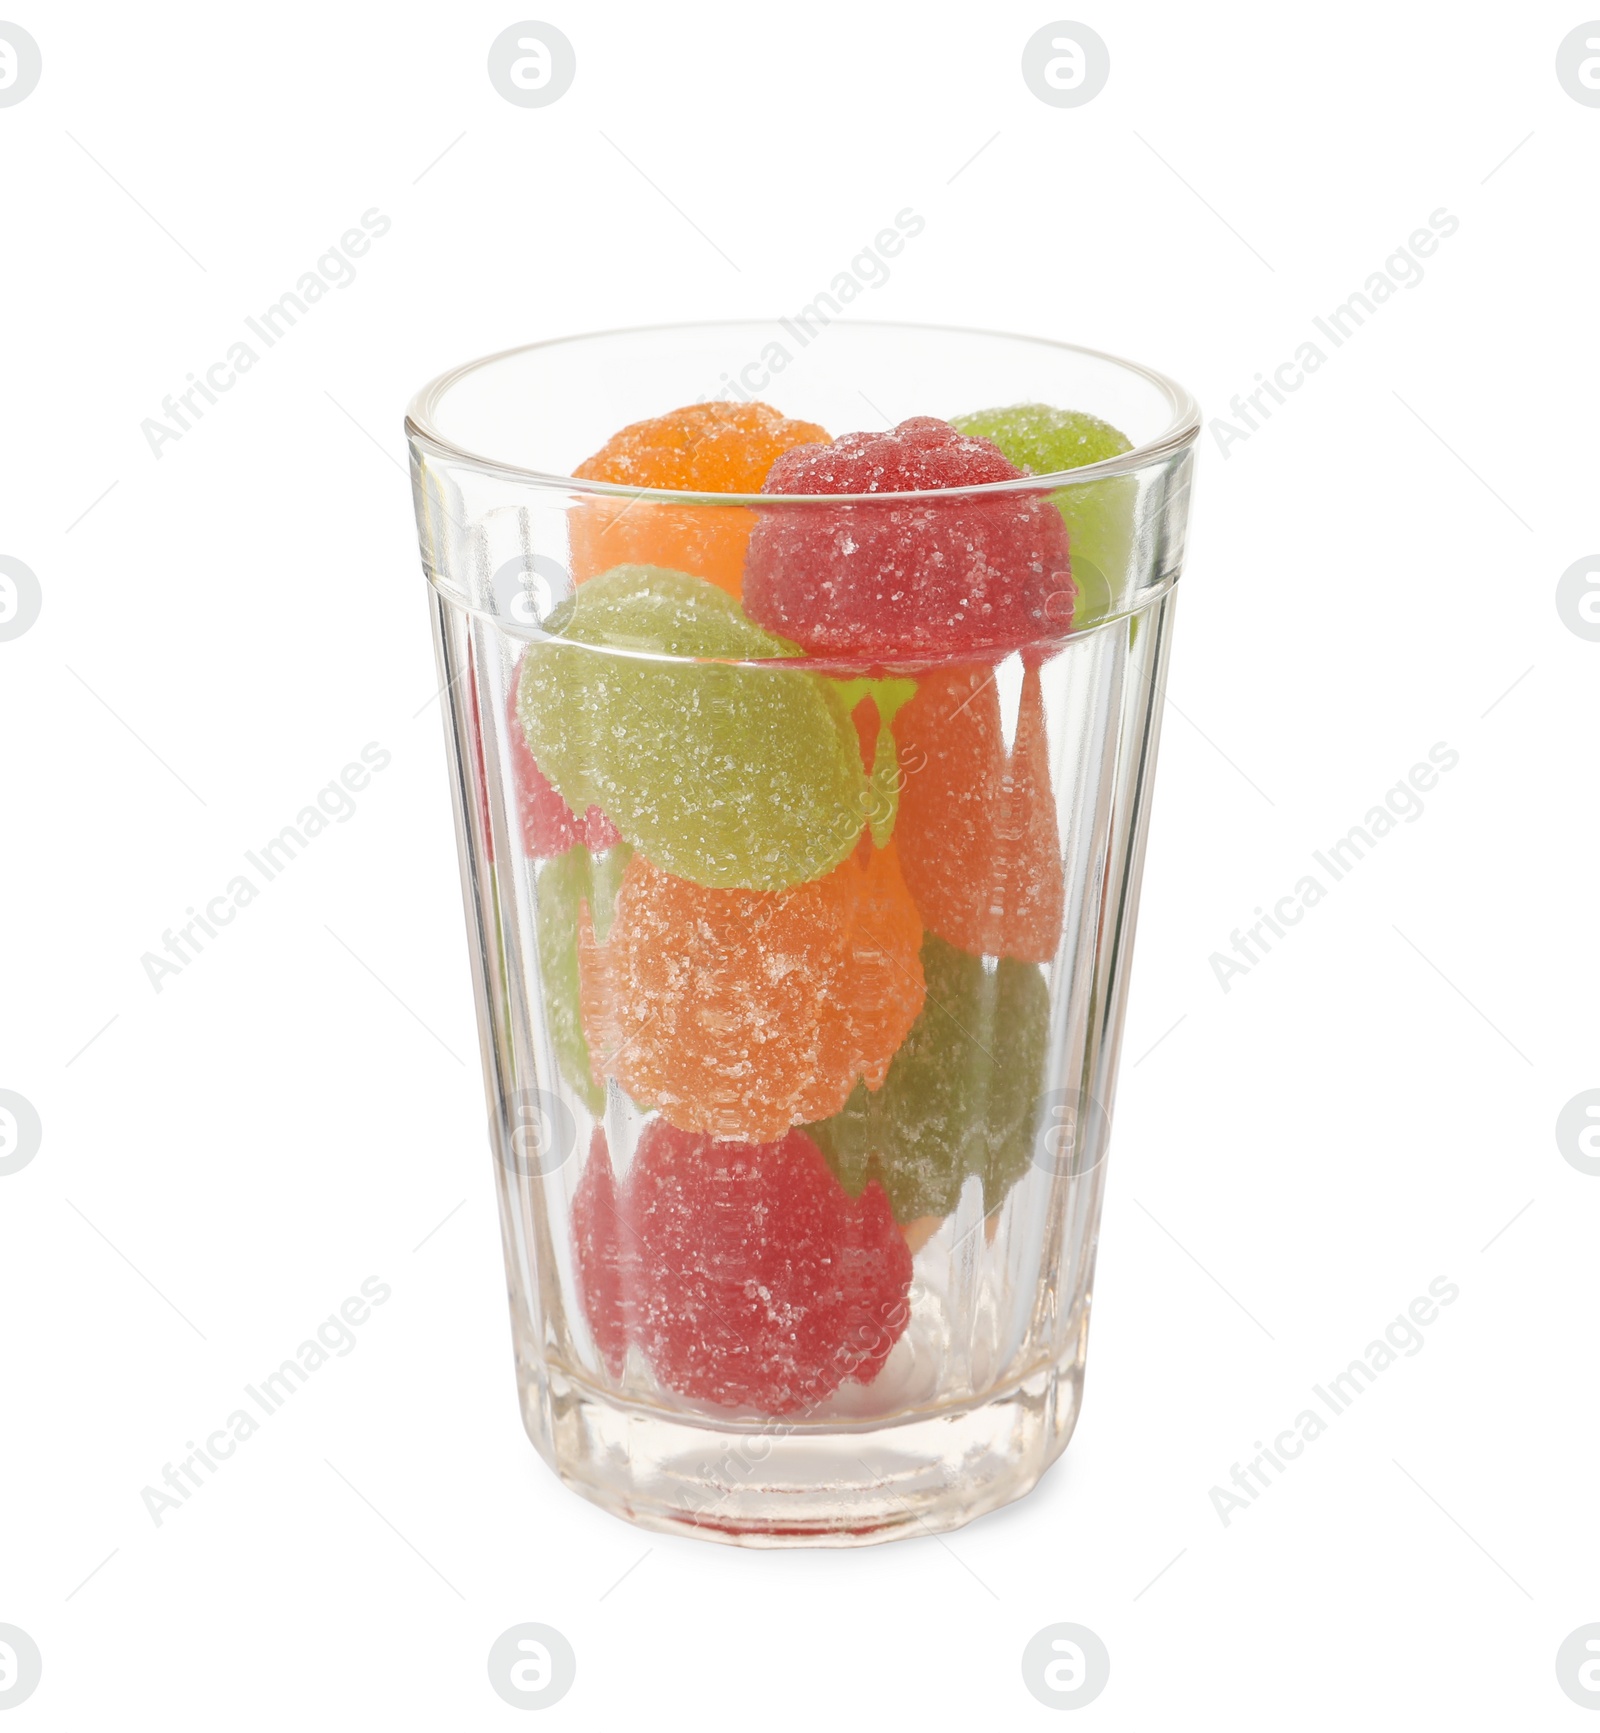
(549, 826)
(919, 1230)
(741, 1013)
(562, 885)
(745, 1272)
(719, 447)
(1098, 515)
(927, 576)
(961, 1095)
(726, 775)
(873, 715)
(977, 830)
(760, 1284)
(1041, 440)
(598, 1234)
(880, 993)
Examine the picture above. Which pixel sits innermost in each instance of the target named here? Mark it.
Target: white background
(1363, 1112)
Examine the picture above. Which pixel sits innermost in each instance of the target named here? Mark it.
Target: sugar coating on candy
(598, 1235)
(726, 775)
(742, 1013)
(961, 1096)
(549, 826)
(760, 1284)
(748, 1276)
(1098, 515)
(563, 886)
(923, 576)
(977, 827)
(1042, 440)
(717, 447)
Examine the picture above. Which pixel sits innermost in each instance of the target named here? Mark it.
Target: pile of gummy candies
(765, 897)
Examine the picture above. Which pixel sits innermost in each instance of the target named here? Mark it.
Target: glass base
(772, 1486)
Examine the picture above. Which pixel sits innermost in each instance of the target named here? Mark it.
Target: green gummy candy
(729, 776)
(1099, 514)
(561, 885)
(961, 1094)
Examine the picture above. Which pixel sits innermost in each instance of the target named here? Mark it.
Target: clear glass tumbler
(800, 977)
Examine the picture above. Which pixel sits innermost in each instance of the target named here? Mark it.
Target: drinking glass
(800, 979)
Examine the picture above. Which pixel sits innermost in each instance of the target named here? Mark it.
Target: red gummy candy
(918, 577)
(599, 833)
(761, 1284)
(597, 1236)
(977, 833)
(549, 826)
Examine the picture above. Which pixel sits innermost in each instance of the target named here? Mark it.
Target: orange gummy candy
(977, 828)
(718, 447)
(742, 1013)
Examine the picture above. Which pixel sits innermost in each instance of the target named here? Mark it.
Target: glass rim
(1180, 433)
(877, 663)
